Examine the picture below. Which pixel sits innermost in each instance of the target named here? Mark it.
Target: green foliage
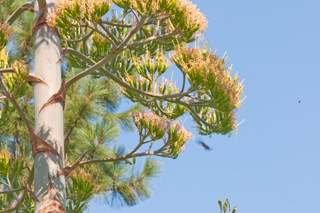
(79, 190)
(226, 206)
(89, 112)
(130, 190)
(130, 51)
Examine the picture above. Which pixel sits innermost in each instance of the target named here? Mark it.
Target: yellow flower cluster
(17, 79)
(148, 66)
(185, 14)
(156, 127)
(205, 69)
(192, 15)
(5, 154)
(5, 157)
(156, 122)
(140, 83)
(189, 12)
(21, 66)
(4, 58)
(74, 8)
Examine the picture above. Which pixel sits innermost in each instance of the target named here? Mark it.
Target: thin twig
(118, 158)
(109, 32)
(133, 30)
(152, 38)
(78, 25)
(156, 19)
(114, 45)
(16, 205)
(14, 103)
(11, 190)
(82, 38)
(183, 83)
(10, 187)
(108, 58)
(12, 209)
(5, 70)
(135, 14)
(115, 23)
(30, 59)
(158, 107)
(150, 146)
(157, 28)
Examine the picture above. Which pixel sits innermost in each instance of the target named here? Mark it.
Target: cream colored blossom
(171, 127)
(5, 154)
(86, 8)
(207, 66)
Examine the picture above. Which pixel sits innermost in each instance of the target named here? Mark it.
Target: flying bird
(204, 145)
(299, 102)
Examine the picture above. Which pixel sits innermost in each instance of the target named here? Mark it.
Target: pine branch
(124, 157)
(66, 136)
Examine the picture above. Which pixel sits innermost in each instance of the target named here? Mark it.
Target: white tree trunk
(49, 123)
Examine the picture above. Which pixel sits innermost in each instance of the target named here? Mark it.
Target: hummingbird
(204, 145)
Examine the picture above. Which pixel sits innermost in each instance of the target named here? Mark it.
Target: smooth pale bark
(49, 123)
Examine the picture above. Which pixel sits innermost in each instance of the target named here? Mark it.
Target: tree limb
(123, 157)
(116, 79)
(19, 11)
(66, 136)
(115, 23)
(5, 70)
(11, 191)
(86, 36)
(152, 38)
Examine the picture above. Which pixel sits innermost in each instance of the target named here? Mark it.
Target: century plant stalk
(49, 122)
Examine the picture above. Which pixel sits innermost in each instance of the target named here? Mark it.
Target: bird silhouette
(204, 145)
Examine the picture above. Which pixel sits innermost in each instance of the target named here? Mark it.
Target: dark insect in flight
(299, 102)
(204, 145)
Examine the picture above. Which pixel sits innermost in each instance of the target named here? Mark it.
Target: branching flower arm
(19, 12)
(11, 191)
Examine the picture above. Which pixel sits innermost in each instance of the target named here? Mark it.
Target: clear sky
(273, 163)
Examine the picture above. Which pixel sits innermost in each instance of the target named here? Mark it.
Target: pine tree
(68, 152)
(89, 100)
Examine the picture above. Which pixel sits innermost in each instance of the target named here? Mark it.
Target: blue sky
(272, 165)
